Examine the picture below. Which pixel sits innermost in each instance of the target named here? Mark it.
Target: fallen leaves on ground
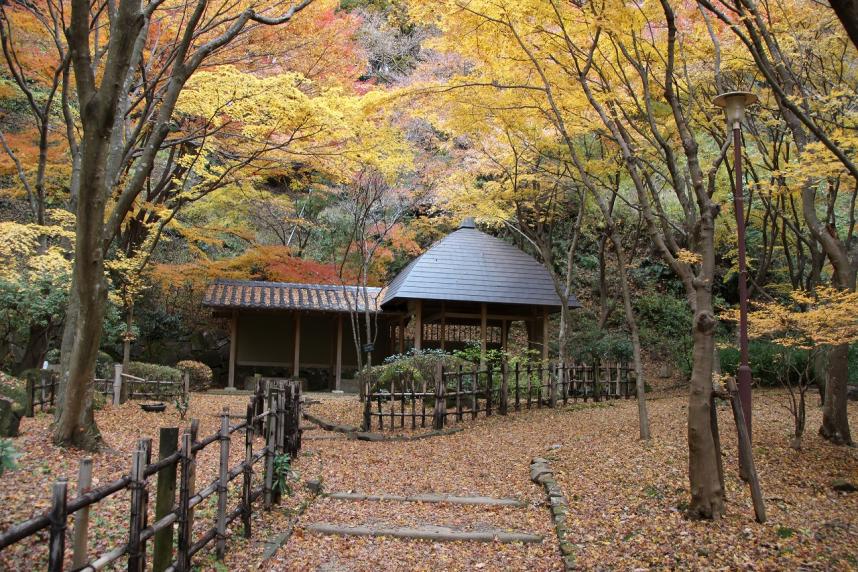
(626, 498)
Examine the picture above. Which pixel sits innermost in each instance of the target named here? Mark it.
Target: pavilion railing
(454, 396)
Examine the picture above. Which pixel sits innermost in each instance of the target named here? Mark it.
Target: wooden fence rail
(453, 396)
(278, 424)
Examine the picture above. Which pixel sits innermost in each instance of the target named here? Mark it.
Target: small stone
(843, 486)
(555, 447)
(314, 486)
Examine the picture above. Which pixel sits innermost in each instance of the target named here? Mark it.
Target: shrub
(154, 371)
(199, 373)
(664, 322)
(417, 365)
(769, 362)
(103, 363)
(587, 342)
(14, 389)
(8, 456)
(99, 400)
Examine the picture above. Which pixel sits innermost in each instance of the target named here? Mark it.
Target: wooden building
(468, 286)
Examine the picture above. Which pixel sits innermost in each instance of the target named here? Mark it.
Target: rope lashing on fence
(279, 424)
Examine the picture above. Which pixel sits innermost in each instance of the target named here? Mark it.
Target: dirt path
(626, 498)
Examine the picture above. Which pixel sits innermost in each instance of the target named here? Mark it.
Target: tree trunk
(707, 493)
(835, 421)
(631, 321)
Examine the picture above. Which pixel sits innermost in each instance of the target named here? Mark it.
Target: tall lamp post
(734, 104)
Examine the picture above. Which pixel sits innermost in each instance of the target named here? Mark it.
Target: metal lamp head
(734, 103)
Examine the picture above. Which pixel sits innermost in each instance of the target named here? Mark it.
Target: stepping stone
(439, 498)
(425, 532)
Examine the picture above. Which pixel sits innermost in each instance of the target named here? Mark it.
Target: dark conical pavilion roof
(470, 266)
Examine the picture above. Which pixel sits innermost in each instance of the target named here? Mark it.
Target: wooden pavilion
(467, 287)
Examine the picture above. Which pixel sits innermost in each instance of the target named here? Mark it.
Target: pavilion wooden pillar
(233, 348)
(483, 331)
(504, 333)
(402, 334)
(338, 372)
(296, 366)
(418, 325)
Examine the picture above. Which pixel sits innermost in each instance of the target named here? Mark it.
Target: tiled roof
(289, 296)
(470, 266)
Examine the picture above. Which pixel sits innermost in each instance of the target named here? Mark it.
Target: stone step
(425, 532)
(429, 497)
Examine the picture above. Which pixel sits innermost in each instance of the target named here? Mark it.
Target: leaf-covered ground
(25, 491)
(626, 497)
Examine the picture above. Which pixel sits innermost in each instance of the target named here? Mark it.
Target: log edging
(541, 473)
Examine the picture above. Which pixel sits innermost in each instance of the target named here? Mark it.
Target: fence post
(31, 397)
(440, 399)
(186, 385)
(271, 429)
(552, 386)
(165, 498)
(459, 394)
(223, 482)
(81, 517)
(293, 419)
(504, 390)
(186, 491)
(247, 472)
(367, 408)
(117, 384)
(489, 387)
(58, 526)
(137, 549)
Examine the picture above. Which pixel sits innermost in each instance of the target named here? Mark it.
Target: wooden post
(292, 433)
(187, 482)
(271, 430)
(440, 399)
(247, 473)
(418, 325)
(136, 548)
(338, 375)
(81, 517)
(517, 391)
(503, 406)
(483, 330)
(233, 348)
(402, 334)
(489, 388)
(474, 382)
(58, 517)
(296, 364)
(223, 482)
(504, 334)
(745, 452)
(165, 498)
(31, 397)
(459, 394)
(553, 382)
(186, 385)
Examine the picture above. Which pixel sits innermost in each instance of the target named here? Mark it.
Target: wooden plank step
(429, 497)
(425, 532)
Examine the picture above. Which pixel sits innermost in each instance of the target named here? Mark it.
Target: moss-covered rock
(13, 404)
